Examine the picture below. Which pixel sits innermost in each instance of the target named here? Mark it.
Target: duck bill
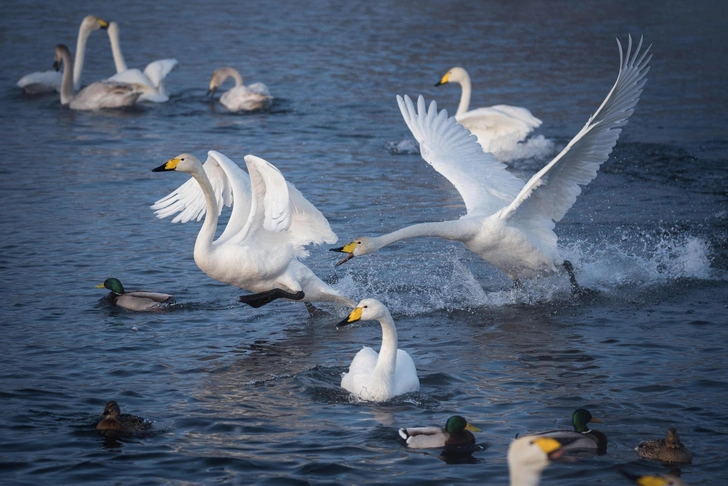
(472, 428)
(99, 286)
(595, 420)
(353, 316)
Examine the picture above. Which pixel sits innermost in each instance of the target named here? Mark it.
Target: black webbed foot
(262, 298)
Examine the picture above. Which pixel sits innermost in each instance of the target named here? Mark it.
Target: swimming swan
(528, 456)
(582, 439)
(270, 224)
(101, 94)
(509, 224)
(499, 128)
(150, 82)
(137, 300)
(456, 433)
(240, 97)
(379, 377)
(47, 81)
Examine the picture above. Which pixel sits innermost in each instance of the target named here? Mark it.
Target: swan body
(150, 82)
(47, 81)
(456, 433)
(269, 226)
(240, 97)
(667, 450)
(508, 223)
(115, 422)
(582, 439)
(95, 96)
(137, 300)
(379, 376)
(528, 456)
(499, 128)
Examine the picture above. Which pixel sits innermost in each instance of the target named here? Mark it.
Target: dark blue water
(242, 395)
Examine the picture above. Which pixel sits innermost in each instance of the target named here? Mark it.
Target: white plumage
(240, 97)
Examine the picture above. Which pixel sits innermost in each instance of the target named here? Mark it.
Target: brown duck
(669, 449)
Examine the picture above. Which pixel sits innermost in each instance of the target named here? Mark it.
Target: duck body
(240, 97)
(668, 450)
(136, 300)
(379, 376)
(457, 434)
(115, 422)
(582, 439)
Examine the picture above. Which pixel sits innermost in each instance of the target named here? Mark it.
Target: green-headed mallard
(529, 455)
(137, 300)
(457, 432)
(582, 438)
(114, 421)
(669, 449)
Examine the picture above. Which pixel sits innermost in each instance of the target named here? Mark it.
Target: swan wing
(132, 76)
(484, 183)
(41, 82)
(259, 88)
(499, 121)
(105, 94)
(360, 371)
(405, 374)
(156, 71)
(553, 190)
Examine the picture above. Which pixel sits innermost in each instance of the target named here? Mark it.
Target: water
(243, 395)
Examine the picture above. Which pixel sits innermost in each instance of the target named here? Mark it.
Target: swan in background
(499, 128)
(379, 377)
(47, 81)
(508, 223)
(456, 433)
(151, 81)
(582, 439)
(528, 456)
(270, 224)
(239, 97)
(101, 94)
(138, 300)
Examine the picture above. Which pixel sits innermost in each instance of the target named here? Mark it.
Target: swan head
(360, 246)
(112, 410)
(182, 163)
(61, 52)
(580, 418)
(366, 310)
(456, 423)
(91, 22)
(454, 75)
(114, 285)
(220, 75)
(532, 453)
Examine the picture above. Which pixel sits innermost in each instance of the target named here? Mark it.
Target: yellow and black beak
(353, 316)
(103, 24)
(550, 446)
(211, 90)
(646, 480)
(345, 249)
(445, 79)
(171, 164)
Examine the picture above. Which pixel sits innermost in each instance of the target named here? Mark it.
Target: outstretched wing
(484, 183)
(553, 190)
(156, 71)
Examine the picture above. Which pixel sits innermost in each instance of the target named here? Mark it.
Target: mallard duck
(456, 433)
(582, 438)
(669, 449)
(112, 420)
(137, 300)
(529, 455)
(655, 479)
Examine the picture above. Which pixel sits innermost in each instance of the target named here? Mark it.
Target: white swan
(47, 81)
(240, 97)
(379, 377)
(151, 81)
(101, 94)
(499, 128)
(270, 223)
(509, 224)
(528, 456)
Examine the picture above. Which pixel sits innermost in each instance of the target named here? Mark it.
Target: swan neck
(66, 79)
(387, 360)
(446, 229)
(83, 34)
(207, 232)
(522, 477)
(464, 95)
(119, 61)
(236, 76)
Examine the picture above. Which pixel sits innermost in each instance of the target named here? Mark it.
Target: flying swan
(499, 128)
(270, 224)
(150, 82)
(379, 377)
(98, 95)
(47, 81)
(240, 97)
(509, 224)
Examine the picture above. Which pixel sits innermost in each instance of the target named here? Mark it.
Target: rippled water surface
(242, 395)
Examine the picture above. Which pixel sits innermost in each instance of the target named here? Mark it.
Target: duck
(48, 81)
(529, 455)
(500, 128)
(379, 376)
(668, 450)
(265, 237)
(582, 438)
(507, 223)
(138, 300)
(95, 96)
(240, 97)
(150, 82)
(654, 479)
(456, 433)
(113, 421)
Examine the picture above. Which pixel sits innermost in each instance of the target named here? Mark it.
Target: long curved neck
(464, 95)
(207, 232)
(66, 80)
(387, 360)
(83, 33)
(523, 477)
(450, 230)
(119, 62)
(230, 72)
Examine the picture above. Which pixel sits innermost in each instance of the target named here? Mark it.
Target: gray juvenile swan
(240, 97)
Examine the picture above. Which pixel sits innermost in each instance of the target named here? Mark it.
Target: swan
(47, 81)
(137, 300)
(582, 438)
(499, 128)
(270, 224)
(379, 377)
(456, 433)
(508, 223)
(101, 94)
(240, 97)
(528, 456)
(668, 450)
(151, 81)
